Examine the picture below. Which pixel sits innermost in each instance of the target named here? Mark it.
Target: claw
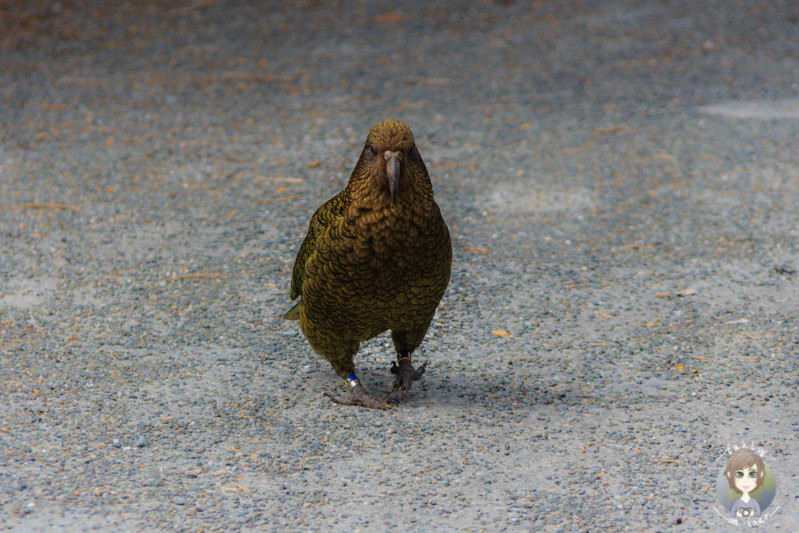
(405, 376)
(394, 398)
(359, 396)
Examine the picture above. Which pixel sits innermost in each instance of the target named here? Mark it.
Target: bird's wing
(324, 217)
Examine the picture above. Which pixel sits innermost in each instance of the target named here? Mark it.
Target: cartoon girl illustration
(745, 472)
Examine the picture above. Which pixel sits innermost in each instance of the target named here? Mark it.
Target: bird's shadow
(439, 387)
(491, 392)
(458, 391)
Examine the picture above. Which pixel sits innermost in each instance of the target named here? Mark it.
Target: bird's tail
(294, 312)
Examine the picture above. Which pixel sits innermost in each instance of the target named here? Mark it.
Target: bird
(377, 257)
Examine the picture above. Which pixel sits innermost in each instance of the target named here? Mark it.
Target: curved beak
(392, 172)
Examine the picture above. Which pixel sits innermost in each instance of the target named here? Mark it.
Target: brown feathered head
(391, 154)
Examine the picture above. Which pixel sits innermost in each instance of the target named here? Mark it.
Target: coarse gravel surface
(621, 182)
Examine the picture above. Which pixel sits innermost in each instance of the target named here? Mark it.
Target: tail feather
(294, 312)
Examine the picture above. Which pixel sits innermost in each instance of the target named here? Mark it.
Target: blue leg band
(403, 355)
(351, 380)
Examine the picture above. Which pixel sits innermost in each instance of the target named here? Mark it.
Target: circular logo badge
(745, 485)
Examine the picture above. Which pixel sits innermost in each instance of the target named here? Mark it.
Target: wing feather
(324, 217)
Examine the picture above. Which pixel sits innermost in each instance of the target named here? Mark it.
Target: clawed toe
(359, 396)
(405, 374)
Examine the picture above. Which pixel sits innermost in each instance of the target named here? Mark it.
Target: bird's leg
(405, 374)
(359, 395)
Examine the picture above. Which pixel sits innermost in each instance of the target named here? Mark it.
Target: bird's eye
(371, 149)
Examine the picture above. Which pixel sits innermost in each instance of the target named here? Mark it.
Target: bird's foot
(405, 374)
(359, 396)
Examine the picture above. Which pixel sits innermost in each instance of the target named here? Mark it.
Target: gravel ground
(621, 182)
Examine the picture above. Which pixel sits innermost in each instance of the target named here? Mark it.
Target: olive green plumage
(377, 255)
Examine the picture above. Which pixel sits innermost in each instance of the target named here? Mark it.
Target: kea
(377, 257)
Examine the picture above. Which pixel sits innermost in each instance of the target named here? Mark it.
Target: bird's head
(391, 154)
